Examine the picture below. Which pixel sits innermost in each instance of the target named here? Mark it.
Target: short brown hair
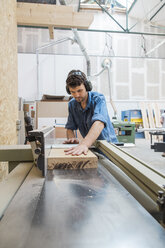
(75, 78)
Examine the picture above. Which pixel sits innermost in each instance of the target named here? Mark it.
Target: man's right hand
(71, 141)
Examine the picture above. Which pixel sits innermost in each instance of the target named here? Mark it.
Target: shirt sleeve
(100, 111)
(71, 122)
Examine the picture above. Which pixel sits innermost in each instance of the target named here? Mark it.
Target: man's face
(79, 93)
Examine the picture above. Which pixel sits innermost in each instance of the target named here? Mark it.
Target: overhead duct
(78, 40)
(82, 48)
(106, 65)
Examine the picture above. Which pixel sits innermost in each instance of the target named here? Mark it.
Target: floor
(142, 151)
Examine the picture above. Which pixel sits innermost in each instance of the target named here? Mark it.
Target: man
(88, 113)
(162, 121)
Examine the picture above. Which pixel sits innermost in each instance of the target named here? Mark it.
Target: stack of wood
(150, 115)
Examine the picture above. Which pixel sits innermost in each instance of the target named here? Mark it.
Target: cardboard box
(52, 109)
(53, 114)
(26, 107)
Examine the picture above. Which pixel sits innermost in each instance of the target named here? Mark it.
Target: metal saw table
(77, 209)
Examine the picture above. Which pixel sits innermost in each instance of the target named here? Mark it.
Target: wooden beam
(51, 32)
(46, 15)
(59, 160)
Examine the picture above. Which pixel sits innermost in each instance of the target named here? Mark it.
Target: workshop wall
(134, 76)
(131, 78)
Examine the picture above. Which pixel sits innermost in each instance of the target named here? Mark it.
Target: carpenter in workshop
(88, 113)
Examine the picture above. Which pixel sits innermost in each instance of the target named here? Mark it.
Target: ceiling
(152, 11)
(145, 17)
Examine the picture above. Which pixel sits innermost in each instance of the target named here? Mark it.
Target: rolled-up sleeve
(100, 111)
(71, 122)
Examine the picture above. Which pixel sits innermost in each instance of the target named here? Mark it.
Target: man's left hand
(78, 150)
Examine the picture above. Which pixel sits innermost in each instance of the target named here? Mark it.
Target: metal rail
(148, 179)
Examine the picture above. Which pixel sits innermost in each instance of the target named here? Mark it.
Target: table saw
(82, 208)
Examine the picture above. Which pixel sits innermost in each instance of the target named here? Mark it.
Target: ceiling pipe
(106, 64)
(83, 49)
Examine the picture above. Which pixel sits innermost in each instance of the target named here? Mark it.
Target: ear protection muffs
(87, 84)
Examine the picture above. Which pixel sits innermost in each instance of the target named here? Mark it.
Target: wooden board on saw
(59, 160)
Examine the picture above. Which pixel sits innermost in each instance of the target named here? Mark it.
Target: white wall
(132, 80)
(52, 74)
(27, 76)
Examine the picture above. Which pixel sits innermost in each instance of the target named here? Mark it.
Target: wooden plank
(145, 118)
(59, 160)
(51, 32)
(81, 20)
(45, 15)
(150, 115)
(151, 118)
(9, 187)
(156, 109)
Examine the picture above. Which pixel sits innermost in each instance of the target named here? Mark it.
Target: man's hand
(78, 150)
(71, 141)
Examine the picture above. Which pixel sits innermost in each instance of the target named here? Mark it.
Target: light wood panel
(156, 109)
(46, 15)
(145, 118)
(8, 75)
(151, 117)
(59, 160)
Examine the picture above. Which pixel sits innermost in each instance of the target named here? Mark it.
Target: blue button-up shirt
(96, 110)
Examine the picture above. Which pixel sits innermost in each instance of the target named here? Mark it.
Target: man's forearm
(93, 133)
(70, 134)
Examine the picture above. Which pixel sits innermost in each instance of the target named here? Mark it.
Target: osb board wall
(8, 75)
